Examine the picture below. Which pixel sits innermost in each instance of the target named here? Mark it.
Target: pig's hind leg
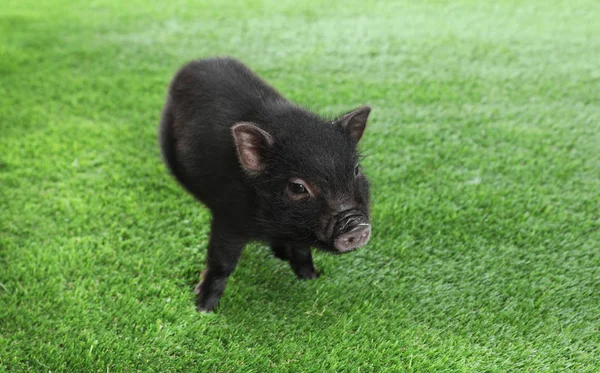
(300, 258)
(224, 250)
(280, 251)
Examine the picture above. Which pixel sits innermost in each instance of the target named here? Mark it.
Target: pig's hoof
(306, 273)
(204, 309)
(205, 304)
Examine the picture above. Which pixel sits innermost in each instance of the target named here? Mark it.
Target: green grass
(484, 149)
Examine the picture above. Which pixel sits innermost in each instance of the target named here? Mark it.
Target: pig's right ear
(250, 142)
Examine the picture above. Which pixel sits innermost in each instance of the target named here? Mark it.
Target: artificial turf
(483, 151)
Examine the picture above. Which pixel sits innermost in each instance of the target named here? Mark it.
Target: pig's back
(206, 98)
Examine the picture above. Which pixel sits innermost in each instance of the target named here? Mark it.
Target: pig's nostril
(356, 237)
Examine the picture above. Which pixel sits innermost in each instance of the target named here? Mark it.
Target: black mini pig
(267, 169)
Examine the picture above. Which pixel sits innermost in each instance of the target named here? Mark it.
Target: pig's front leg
(224, 250)
(300, 258)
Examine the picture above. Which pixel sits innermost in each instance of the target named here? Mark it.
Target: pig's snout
(356, 237)
(351, 231)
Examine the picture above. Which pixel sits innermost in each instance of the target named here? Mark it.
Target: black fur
(242, 172)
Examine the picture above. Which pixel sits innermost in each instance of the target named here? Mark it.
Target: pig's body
(267, 169)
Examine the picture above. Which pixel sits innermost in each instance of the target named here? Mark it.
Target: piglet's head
(307, 178)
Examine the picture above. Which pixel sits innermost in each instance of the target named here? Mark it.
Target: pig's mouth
(347, 231)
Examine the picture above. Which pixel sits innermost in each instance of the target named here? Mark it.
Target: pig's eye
(297, 188)
(356, 170)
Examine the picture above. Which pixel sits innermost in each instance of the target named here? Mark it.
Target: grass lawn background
(484, 156)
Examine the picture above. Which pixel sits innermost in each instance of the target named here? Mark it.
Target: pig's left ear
(355, 122)
(250, 142)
